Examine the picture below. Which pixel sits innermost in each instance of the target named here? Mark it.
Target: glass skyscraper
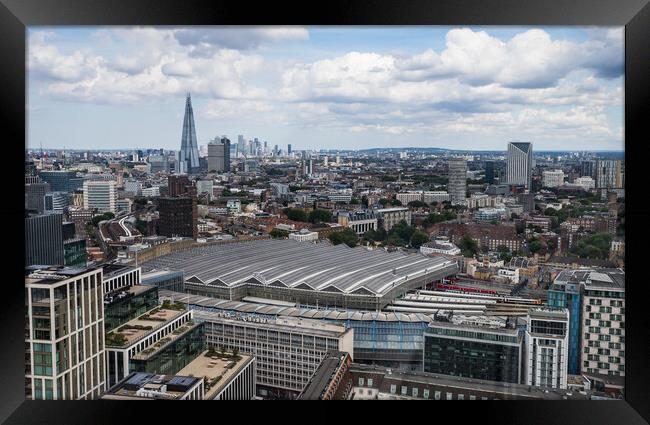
(189, 147)
(519, 170)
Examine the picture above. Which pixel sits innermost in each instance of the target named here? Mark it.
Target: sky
(474, 88)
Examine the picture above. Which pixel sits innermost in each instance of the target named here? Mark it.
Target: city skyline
(328, 87)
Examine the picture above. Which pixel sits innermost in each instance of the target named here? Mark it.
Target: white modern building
(133, 186)
(100, 194)
(304, 235)
(586, 182)
(151, 192)
(440, 245)
(519, 164)
(553, 178)
(547, 348)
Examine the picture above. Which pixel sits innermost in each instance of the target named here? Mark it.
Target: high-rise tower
(189, 146)
(519, 169)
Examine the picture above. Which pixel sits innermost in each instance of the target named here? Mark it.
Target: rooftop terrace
(136, 329)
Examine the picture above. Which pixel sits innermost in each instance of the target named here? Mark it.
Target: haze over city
(327, 87)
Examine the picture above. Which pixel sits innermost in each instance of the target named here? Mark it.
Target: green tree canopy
(468, 246)
(418, 238)
(296, 214)
(346, 236)
(417, 204)
(279, 233)
(320, 216)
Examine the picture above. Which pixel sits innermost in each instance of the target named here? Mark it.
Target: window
(425, 393)
(393, 388)
(437, 395)
(461, 396)
(449, 395)
(361, 382)
(472, 397)
(370, 382)
(415, 392)
(404, 390)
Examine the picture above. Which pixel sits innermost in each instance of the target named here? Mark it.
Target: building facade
(64, 335)
(178, 217)
(547, 342)
(519, 166)
(457, 185)
(100, 195)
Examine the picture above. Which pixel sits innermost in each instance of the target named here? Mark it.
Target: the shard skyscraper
(189, 153)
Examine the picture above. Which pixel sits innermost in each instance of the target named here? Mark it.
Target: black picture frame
(15, 15)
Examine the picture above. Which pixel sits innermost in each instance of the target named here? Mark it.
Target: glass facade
(170, 358)
(74, 253)
(572, 302)
(122, 310)
(452, 352)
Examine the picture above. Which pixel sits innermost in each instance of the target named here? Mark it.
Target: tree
(503, 248)
(296, 214)
(395, 202)
(383, 201)
(418, 238)
(375, 235)
(364, 201)
(279, 233)
(534, 245)
(346, 236)
(520, 228)
(468, 246)
(416, 204)
(354, 201)
(514, 216)
(320, 216)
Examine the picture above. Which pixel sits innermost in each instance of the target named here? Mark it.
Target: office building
(474, 347)
(219, 155)
(44, 240)
(457, 185)
(489, 172)
(165, 279)
(553, 178)
(547, 343)
(587, 182)
(178, 217)
(62, 181)
(163, 340)
(189, 153)
(35, 196)
(603, 315)
(56, 202)
(133, 186)
(519, 165)
(64, 335)
(329, 378)
(289, 149)
(100, 195)
(288, 349)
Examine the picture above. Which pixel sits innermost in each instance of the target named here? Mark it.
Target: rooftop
(42, 274)
(317, 267)
(217, 369)
(147, 386)
(320, 380)
(136, 329)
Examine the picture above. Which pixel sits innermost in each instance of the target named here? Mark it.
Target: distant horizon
(325, 87)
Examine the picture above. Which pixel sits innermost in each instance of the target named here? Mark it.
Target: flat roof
(53, 274)
(138, 328)
(323, 375)
(291, 264)
(127, 389)
(216, 368)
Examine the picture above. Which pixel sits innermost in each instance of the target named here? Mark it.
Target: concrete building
(62, 181)
(288, 349)
(35, 196)
(603, 313)
(359, 221)
(487, 215)
(101, 195)
(587, 182)
(519, 166)
(388, 217)
(609, 174)
(56, 202)
(178, 216)
(219, 155)
(64, 334)
(547, 343)
(44, 240)
(553, 178)
(474, 347)
(435, 196)
(304, 235)
(133, 186)
(457, 185)
(440, 246)
(328, 379)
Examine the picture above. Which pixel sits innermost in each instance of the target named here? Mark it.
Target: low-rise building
(304, 235)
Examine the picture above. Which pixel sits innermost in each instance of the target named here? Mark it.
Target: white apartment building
(603, 313)
(150, 192)
(64, 342)
(133, 186)
(553, 178)
(438, 196)
(547, 343)
(100, 194)
(406, 197)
